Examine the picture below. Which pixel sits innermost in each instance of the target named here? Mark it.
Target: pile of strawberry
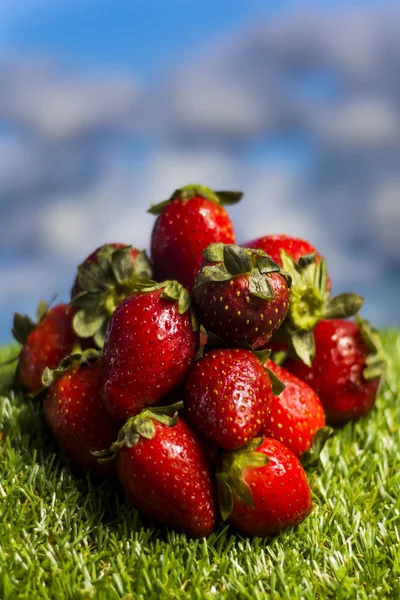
(202, 377)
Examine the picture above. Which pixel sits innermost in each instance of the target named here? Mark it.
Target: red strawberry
(227, 393)
(45, 344)
(107, 276)
(310, 299)
(273, 245)
(346, 370)
(151, 341)
(241, 295)
(187, 223)
(76, 416)
(295, 415)
(263, 488)
(164, 471)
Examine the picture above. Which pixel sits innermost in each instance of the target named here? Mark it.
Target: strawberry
(44, 344)
(273, 245)
(347, 368)
(227, 393)
(75, 414)
(310, 299)
(164, 471)
(151, 340)
(263, 488)
(187, 223)
(295, 415)
(107, 276)
(241, 295)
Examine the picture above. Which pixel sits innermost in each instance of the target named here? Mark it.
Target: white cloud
(73, 225)
(362, 121)
(62, 105)
(385, 213)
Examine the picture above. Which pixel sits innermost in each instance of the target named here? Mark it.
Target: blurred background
(109, 105)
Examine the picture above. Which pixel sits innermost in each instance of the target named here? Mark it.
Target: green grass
(64, 536)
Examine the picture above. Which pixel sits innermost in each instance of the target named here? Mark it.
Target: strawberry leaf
(183, 301)
(307, 259)
(321, 272)
(122, 266)
(265, 265)
(229, 198)
(214, 252)
(277, 385)
(89, 300)
(141, 425)
(279, 357)
(259, 286)
(41, 310)
(215, 273)
(229, 475)
(142, 268)
(157, 209)
(241, 490)
(86, 323)
(225, 497)
(303, 344)
(90, 278)
(146, 428)
(236, 260)
(100, 335)
(177, 293)
(171, 291)
(343, 306)
(376, 360)
(49, 376)
(22, 327)
(104, 260)
(262, 355)
(311, 458)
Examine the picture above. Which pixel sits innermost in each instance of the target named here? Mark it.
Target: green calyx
(77, 357)
(376, 359)
(229, 475)
(277, 385)
(311, 458)
(141, 425)
(232, 261)
(104, 284)
(24, 325)
(190, 191)
(173, 291)
(310, 301)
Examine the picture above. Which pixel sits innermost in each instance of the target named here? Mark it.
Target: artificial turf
(65, 536)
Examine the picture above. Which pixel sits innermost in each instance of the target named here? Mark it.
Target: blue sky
(108, 106)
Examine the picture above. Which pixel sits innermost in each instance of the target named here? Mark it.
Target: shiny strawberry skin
(227, 393)
(280, 491)
(50, 341)
(337, 371)
(168, 477)
(180, 234)
(229, 310)
(295, 415)
(75, 415)
(148, 349)
(273, 244)
(93, 258)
